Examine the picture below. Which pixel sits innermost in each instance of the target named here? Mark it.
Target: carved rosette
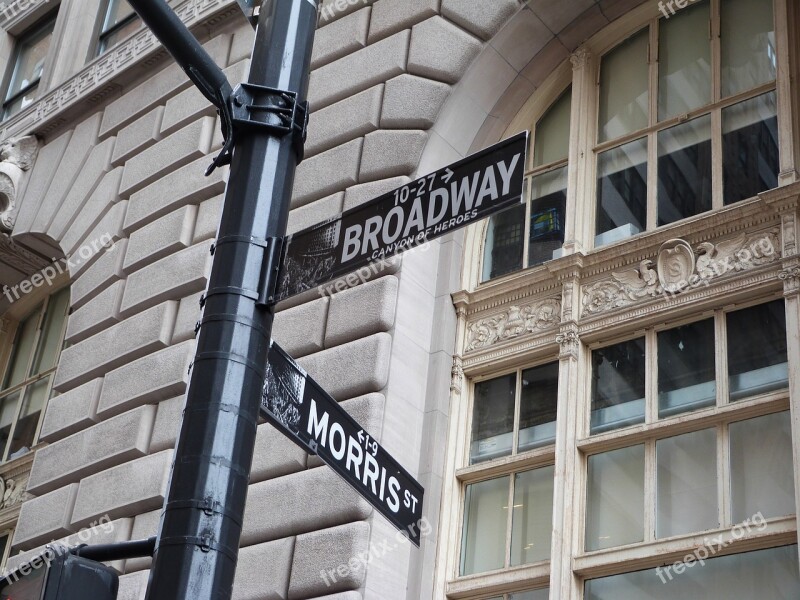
(514, 322)
(569, 341)
(678, 268)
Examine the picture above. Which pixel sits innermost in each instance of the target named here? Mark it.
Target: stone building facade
(646, 293)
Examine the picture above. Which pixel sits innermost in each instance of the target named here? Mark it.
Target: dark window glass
(684, 170)
(750, 147)
(28, 65)
(548, 212)
(120, 21)
(757, 360)
(493, 418)
(618, 386)
(504, 243)
(686, 375)
(622, 192)
(537, 411)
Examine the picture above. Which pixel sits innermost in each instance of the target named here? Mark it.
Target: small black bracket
(252, 106)
(270, 271)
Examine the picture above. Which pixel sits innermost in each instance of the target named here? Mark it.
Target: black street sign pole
(197, 548)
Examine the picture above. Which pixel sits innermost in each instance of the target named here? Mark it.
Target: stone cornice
(100, 78)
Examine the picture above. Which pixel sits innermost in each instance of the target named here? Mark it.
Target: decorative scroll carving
(16, 156)
(514, 322)
(456, 375)
(678, 268)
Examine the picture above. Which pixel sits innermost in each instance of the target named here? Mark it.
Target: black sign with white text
(308, 416)
(430, 207)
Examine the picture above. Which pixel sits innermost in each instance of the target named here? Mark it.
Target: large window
(528, 235)
(27, 66)
(119, 21)
(508, 515)
(755, 346)
(705, 470)
(713, 112)
(28, 376)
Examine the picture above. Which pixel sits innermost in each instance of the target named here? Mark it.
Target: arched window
(28, 375)
(528, 235)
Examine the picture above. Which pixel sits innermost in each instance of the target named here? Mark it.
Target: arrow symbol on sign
(361, 436)
(448, 175)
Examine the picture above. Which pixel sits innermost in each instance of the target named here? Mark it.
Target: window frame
(47, 21)
(102, 35)
(42, 306)
(654, 126)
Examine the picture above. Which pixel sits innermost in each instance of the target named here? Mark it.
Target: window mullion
(509, 519)
(651, 377)
(721, 347)
(650, 500)
(12, 429)
(517, 408)
(724, 475)
(526, 228)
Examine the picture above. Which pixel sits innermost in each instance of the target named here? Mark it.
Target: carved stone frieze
(12, 491)
(514, 322)
(18, 257)
(678, 268)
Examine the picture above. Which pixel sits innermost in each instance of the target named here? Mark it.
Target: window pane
(51, 338)
(532, 520)
(3, 545)
(552, 132)
(30, 59)
(543, 594)
(684, 170)
(621, 192)
(493, 418)
(537, 411)
(757, 361)
(686, 487)
(118, 35)
(748, 44)
(615, 498)
(32, 405)
(618, 386)
(483, 545)
(118, 11)
(750, 147)
(21, 102)
(684, 57)
(504, 242)
(623, 88)
(766, 574)
(23, 346)
(762, 479)
(686, 371)
(548, 214)
(8, 410)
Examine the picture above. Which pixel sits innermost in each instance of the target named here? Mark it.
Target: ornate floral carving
(515, 321)
(679, 268)
(580, 58)
(789, 273)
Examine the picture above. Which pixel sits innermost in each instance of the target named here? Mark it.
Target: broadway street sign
(430, 207)
(308, 416)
